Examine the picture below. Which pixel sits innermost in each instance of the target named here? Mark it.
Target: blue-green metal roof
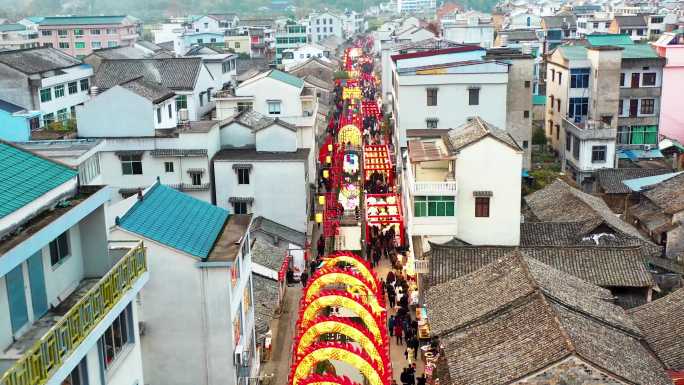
(638, 184)
(286, 78)
(609, 39)
(539, 100)
(25, 177)
(12, 27)
(82, 20)
(630, 49)
(177, 220)
(573, 52)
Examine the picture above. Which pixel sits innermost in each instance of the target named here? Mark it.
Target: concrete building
(17, 123)
(238, 41)
(353, 23)
(414, 6)
(261, 165)
(148, 142)
(635, 26)
(46, 80)
(221, 66)
(295, 56)
(80, 35)
(17, 36)
(208, 313)
(671, 47)
(189, 78)
(593, 23)
(557, 28)
(469, 28)
(447, 195)
(82, 155)
(68, 298)
(323, 25)
(213, 23)
(317, 67)
(287, 37)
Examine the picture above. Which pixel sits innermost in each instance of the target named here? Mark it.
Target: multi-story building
(148, 143)
(599, 97)
(287, 37)
(352, 23)
(80, 35)
(296, 56)
(670, 46)
(634, 26)
(557, 28)
(17, 123)
(68, 298)
(238, 41)
(208, 311)
(17, 36)
(81, 154)
(446, 195)
(323, 25)
(213, 23)
(598, 22)
(469, 28)
(414, 6)
(46, 80)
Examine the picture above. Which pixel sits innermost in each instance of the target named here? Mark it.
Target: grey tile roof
(572, 234)
(249, 118)
(610, 179)
(38, 60)
(559, 202)
(517, 316)
(520, 35)
(602, 266)
(265, 303)
(129, 52)
(267, 255)
(631, 21)
(276, 230)
(154, 92)
(668, 195)
(662, 322)
(476, 129)
(316, 82)
(230, 154)
(173, 73)
(560, 22)
(651, 216)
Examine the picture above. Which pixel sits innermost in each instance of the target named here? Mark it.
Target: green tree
(539, 137)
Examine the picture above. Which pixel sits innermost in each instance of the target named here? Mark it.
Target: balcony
(434, 188)
(589, 129)
(90, 306)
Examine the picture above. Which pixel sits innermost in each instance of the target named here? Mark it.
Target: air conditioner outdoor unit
(647, 147)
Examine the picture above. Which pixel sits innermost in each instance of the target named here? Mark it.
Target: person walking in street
(320, 246)
(390, 325)
(391, 296)
(398, 332)
(422, 380)
(303, 278)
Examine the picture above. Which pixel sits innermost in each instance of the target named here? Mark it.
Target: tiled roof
(265, 303)
(662, 322)
(83, 20)
(12, 27)
(25, 177)
(176, 220)
(610, 179)
(518, 316)
(519, 35)
(276, 230)
(560, 21)
(476, 129)
(631, 21)
(173, 73)
(559, 202)
(550, 233)
(602, 266)
(9, 107)
(316, 82)
(153, 92)
(651, 216)
(286, 78)
(230, 154)
(609, 39)
(38, 60)
(267, 255)
(668, 195)
(130, 52)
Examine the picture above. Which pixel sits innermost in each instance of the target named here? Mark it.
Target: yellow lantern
(328, 159)
(321, 200)
(319, 217)
(326, 174)
(330, 147)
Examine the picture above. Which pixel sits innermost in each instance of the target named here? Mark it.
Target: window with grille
(59, 248)
(240, 208)
(243, 175)
(431, 96)
(168, 166)
(196, 178)
(131, 164)
(473, 96)
(482, 207)
(598, 154)
(647, 106)
(73, 88)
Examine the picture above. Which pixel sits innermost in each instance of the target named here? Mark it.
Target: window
(622, 79)
(243, 175)
(579, 78)
(48, 118)
(647, 106)
(116, 337)
(553, 74)
(473, 96)
(45, 33)
(34, 123)
(596, 25)
(575, 147)
(196, 178)
(62, 115)
(63, 45)
(557, 132)
(111, 31)
(274, 107)
(526, 114)
(73, 88)
(433, 206)
(59, 248)
(48, 45)
(170, 109)
(112, 44)
(240, 208)
(62, 32)
(46, 95)
(78, 32)
(209, 94)
(244, 106)
(598, 154)
(621, 107)
(206, 25)
(481, 207)
(94, 31)
(200, 41)
(657, 19)
(181, 102)
(649, 79)
(96, 44)
(131, 164)
(59, 91)
(431, 123)
(527, 84)
(431, 96)
(79, 45)
(84, 85)
(237, 44)
(568, 142)
(640, 32)
(635, 80)
(526, 144)
(159, 114)
(637, 134)
(578, 107)
(560, 76)
(558, 103)
(78, 376)
(201, 95)
(212, 40)
(168, 166)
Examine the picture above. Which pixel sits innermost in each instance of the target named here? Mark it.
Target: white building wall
(489, 165)
(167, 120)
(276, 138)
(482, 35)
(205, 24)
(68, 100)
(5, 323)
(63, 278)
(237, 135)
(270, 89)
(135, 115)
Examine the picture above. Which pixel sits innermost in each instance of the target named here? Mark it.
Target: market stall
(383, 211)
(376, 160)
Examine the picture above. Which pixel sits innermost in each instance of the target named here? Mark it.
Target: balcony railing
(421, 188)
(589, 129)
(48, 354)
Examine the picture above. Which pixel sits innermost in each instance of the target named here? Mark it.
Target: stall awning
(240, 199)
